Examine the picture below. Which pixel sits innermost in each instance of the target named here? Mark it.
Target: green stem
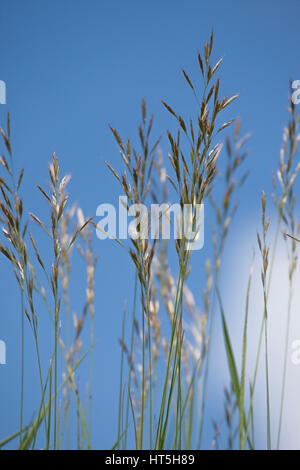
(130, 359)
(150, 374)
(22, 364)
(121, 380)
(285, 363)
(55, 372)
(267, 387)
(263, 325)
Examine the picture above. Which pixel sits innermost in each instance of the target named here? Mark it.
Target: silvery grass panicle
(14, 230)
(222, 196)
(26, 263)
(194, 343)
(194, 173)
(264, 248)
(136, 182)
(71, 218)
(57, 200)
(233, 178)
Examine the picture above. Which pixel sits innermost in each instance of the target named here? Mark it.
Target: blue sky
(72, 68)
